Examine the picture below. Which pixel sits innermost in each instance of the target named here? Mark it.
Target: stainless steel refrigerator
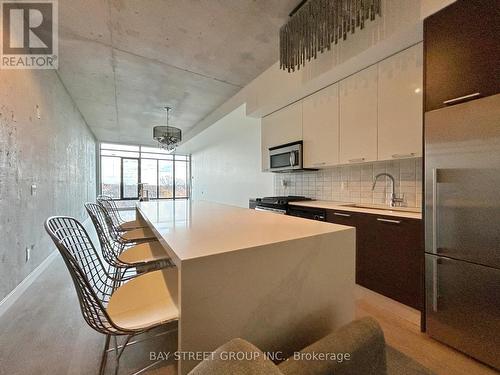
(462, 227)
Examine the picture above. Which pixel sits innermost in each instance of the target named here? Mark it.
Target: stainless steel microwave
(285, 157)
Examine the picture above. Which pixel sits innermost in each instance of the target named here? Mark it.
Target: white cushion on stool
(145, 301)
(144, 252)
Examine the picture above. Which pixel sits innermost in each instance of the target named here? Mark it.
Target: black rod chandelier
(317, 24)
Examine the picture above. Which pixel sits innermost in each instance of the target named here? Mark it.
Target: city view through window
(123, 167)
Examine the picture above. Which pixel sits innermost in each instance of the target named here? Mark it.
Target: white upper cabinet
(281, 127)
(400, 105)
(321, 128)
(375, 114)
(358, 117)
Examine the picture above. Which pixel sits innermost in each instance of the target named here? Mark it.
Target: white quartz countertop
(194, 229)
(331, 205)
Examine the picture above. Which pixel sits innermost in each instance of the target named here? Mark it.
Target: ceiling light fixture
(168, 137)
(314, 25)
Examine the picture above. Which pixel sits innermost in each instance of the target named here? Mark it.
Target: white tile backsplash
(353, 183)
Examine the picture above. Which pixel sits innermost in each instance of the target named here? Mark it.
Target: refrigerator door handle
(434, 211)
(435, 285)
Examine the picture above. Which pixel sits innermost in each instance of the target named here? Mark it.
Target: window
(149, 176)
(166, 178)
(130, 178)
(123, 167)
(111, 176)
(181, 178)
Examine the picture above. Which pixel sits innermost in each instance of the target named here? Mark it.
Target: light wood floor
(402, 332)
(44, 333)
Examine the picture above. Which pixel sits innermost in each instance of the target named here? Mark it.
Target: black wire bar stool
(110, 305)
(145, 256)
(122, 224)
(124, 237)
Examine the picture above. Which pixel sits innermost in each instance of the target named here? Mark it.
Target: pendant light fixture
(168, 137)
(314, 25)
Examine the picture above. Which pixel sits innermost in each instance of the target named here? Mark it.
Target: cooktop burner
(284, 199)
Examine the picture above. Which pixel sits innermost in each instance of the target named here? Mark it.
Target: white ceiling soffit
(123, 60)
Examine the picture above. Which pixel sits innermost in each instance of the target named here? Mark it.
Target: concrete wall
(57, 152)
(226, 165)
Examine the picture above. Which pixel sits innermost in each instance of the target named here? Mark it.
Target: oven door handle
(268, 209)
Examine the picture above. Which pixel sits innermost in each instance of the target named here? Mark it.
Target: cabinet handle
(356, 160)
(322, 163)
(389, 221)
(402, 156)
(341, 214)
(462, 98)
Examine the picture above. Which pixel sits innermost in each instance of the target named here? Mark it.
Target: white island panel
(278, 281)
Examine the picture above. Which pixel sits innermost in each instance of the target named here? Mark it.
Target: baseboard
(18, 291)
(14, 295)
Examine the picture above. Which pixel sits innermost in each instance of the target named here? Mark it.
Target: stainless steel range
(277, 205)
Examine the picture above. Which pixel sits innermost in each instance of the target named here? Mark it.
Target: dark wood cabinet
(462, 52)
(352, 219)
(391, 258)
(389, 254)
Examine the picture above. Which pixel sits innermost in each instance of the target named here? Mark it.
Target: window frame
(148, 153)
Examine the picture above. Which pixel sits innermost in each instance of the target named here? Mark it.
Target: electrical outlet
(28, 253)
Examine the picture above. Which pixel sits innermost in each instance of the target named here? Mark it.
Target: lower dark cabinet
(389, 254)
(392, 257)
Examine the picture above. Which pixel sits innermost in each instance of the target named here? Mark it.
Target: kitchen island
(280, 282)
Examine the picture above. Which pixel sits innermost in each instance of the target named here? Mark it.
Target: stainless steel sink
(385, 207)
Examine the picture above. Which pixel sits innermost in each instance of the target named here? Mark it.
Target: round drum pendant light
(168, 137)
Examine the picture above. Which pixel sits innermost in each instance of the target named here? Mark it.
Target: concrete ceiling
(122, 61)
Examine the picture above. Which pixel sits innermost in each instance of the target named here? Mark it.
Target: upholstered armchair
(363, 339)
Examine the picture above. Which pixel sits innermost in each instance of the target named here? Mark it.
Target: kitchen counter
(331, 205)
(197, 229)
(276, 280)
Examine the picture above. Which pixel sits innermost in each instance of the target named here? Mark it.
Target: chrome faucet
(395, 201)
